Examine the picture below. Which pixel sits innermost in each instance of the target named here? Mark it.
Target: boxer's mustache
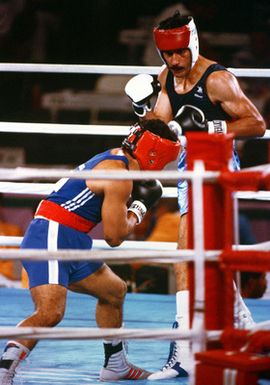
(176, 68)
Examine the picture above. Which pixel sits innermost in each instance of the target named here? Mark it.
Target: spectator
(266, 112)
(253, 284)
(154, 279)
(254, 152)
(166, 224)
(255, 55)
(10, 271)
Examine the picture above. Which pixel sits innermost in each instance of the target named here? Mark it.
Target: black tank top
(197, 96)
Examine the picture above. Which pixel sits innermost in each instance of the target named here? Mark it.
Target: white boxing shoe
(172, 368)
(242, 316)
(117, 367)
(14, 353)
(6, 376)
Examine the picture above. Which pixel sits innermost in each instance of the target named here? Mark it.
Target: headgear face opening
(177, 38)
(151, 151)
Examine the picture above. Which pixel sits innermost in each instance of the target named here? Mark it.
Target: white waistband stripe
(53, 266)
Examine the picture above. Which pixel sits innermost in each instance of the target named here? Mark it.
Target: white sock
(115, 357)
(14, 353)
(182, 309)
(113, 342)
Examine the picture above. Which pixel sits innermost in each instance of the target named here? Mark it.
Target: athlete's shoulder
(219, 76)
(221, 85)
(114, 158)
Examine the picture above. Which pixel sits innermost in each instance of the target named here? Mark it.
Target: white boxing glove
(140, 89)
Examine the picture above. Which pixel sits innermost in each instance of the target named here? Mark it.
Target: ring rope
(258, 246)
(47, 188)
(19, 173)
(69, 333)
(158, 256)
(57, 128)
(168, 192)
(112, 69)
(112, 333)
(74, 129)
(6, 240)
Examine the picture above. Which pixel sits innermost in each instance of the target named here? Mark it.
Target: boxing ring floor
(67, 362)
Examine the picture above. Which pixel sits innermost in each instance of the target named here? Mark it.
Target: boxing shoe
(242, 316)
(6, 376)
(116, 365)
(13, 354)
(172, 368)
(243, 320)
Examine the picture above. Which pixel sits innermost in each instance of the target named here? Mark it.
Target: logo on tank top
(199, 92)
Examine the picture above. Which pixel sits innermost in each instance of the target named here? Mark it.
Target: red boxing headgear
(177, 38)
(151, 151)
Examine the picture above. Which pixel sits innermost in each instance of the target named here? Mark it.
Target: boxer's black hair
(158, 127)
(174, 21)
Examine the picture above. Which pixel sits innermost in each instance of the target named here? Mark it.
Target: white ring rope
(258, 246)
(6, 240)
(78, 68)
(43, 189)
(56, 128)
(26, 188)
(256, 195)
(47, 188)
(113, 69)
(19, 173)
(124, 256)
(73, 129)
(69, 333)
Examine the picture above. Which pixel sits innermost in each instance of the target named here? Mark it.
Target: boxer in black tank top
(197, 96)
(187, 78)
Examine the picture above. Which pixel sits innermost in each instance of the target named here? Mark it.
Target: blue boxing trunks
(50, 235)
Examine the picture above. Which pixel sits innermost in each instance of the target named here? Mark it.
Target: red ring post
(216, 152)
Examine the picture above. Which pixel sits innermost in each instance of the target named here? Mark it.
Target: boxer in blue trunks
(63, 221)
(194, 94)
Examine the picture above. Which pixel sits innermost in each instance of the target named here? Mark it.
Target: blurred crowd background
(235, 33)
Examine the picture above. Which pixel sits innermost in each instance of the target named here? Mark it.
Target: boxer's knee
(49, 316)
(117, 292)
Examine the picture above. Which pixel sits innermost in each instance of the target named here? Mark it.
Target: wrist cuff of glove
(217, 127)
(175, 127)
(139, 209)
(141, 109)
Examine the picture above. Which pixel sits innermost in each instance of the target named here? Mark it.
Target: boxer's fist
(147, 191)
(140, 89)
(145, 194)
(190, 118)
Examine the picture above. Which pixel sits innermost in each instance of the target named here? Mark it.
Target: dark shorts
(50, 235)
